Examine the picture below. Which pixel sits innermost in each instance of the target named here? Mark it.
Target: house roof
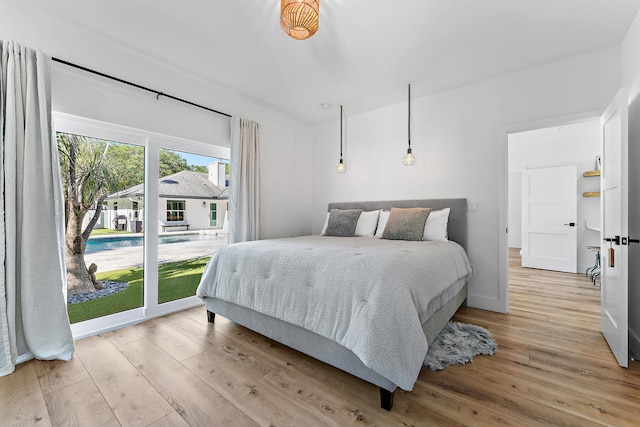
(184, 184)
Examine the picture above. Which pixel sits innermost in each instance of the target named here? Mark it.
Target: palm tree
(86, 183)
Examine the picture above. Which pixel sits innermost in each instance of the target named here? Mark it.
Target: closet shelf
(591, 173)
(591, 194)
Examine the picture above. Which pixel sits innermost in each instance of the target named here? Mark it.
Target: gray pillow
(342, 222)
(406, 223)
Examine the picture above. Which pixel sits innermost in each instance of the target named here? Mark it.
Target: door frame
(503, 239)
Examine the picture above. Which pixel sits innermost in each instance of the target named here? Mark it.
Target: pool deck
(131, 257)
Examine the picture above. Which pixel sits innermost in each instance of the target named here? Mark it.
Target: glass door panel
(191, 189)
(103, 183)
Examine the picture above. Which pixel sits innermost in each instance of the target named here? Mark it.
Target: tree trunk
(78, 277)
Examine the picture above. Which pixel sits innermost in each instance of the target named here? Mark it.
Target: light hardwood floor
(552, 368)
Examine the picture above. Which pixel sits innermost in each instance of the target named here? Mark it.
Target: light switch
(474, 206)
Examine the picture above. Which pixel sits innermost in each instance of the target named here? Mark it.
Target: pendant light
(409, 159)
(342, 168)
(299, 18)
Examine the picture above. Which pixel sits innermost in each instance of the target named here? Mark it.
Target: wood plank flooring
(552, 368)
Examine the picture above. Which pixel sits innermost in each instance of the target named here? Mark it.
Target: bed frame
(329, 351)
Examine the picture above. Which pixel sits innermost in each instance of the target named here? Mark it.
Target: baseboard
(485, 303)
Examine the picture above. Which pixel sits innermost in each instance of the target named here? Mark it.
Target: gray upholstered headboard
(457, 228)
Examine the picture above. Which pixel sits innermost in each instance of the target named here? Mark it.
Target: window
(175, 210)
(213, 214)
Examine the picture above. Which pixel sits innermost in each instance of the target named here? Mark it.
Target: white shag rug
(459, 343)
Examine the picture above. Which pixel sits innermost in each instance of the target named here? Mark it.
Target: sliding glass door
(138, 214)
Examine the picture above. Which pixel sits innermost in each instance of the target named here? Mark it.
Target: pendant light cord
(341, 132)
(409, 121)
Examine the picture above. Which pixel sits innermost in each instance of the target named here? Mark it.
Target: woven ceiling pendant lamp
(299, 18)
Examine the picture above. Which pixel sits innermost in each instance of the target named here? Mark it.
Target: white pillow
(436, 226)
(382, 223)
(326, 222)
(367, 223)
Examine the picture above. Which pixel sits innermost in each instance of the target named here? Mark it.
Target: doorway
(547, 149)
(552, 148)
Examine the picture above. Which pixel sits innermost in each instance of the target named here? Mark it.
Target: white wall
(572, 144)
(285, 143)
(631, 78)
(459, 137)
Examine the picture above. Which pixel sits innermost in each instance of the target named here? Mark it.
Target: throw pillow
(342, 222)
(406, 224)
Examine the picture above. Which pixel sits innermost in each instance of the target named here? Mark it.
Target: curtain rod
(157, 92)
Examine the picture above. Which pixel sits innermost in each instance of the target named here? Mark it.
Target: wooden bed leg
(211, 317)
(386, 399)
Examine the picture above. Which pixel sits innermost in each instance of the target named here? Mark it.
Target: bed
(344, 300)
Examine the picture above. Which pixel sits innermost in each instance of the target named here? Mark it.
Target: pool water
(108, 243)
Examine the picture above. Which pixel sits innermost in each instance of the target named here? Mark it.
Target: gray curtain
(33, 311)
(244, 194)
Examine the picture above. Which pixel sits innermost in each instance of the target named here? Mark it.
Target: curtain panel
(244, 194)
(33, 310)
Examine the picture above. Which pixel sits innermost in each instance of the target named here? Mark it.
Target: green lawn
(176, 280)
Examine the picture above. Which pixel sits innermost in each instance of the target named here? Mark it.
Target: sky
(197, 160)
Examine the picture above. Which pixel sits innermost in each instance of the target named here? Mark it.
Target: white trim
(151, 221)
(92, 327)
(485, 303)
(108, 323)
(64, 122)
(24, 358)
(174, 306)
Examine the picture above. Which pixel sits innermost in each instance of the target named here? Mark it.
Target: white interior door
(549, 216)
(615, 227)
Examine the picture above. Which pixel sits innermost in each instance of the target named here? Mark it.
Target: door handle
(615, 240)
(571, 224)
(625, 239)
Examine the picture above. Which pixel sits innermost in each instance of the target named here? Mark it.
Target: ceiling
(365, 51)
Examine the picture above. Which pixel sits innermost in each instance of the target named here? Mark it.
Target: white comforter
(369, 295)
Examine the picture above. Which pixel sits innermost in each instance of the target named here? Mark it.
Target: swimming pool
(107, 243)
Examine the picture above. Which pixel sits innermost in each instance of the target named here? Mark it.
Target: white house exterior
(188, 201)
